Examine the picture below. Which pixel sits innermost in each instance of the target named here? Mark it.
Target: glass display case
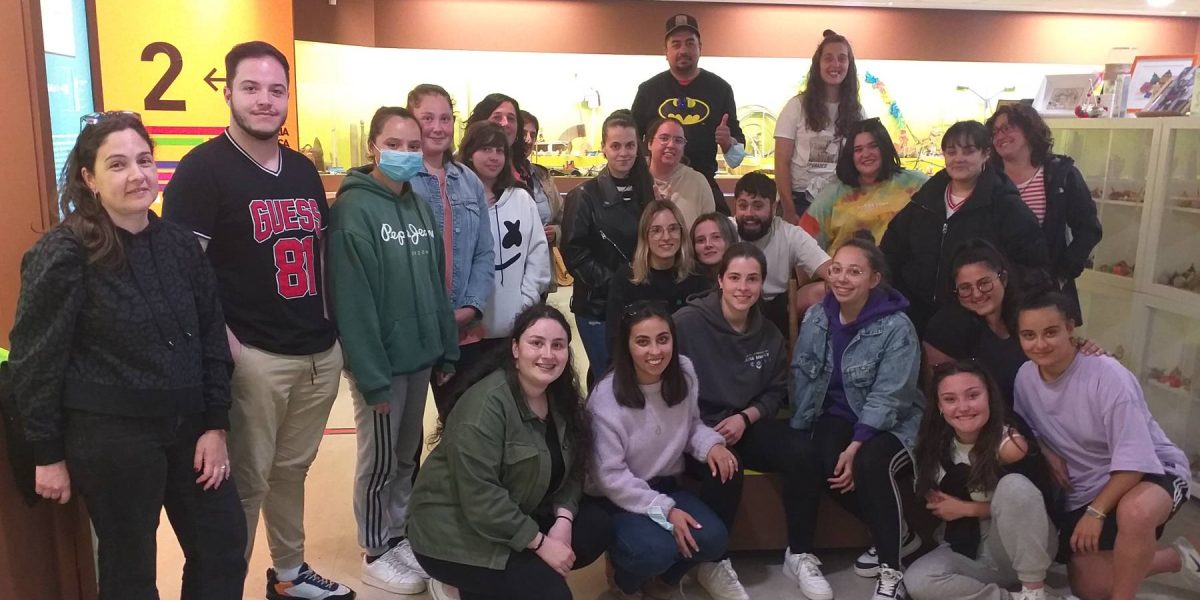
(1176, 248)
(1145, 177)
(1114, 156)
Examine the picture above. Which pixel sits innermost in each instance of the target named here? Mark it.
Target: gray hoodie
(737, 370)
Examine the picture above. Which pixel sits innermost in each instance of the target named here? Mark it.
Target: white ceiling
(1112, 7)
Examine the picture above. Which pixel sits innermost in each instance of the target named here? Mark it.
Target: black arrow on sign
(209, 79)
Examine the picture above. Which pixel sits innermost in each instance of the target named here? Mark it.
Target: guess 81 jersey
(264, 230)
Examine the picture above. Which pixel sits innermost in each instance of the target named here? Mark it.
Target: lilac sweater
(635, 445)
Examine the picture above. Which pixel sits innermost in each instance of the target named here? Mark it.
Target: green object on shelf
(3, 355)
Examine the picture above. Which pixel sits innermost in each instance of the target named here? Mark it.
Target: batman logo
(688, 111)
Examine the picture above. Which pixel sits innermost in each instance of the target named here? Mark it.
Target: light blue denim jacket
(880, 368)
(473, 263)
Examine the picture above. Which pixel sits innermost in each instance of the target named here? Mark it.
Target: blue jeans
(642, 549)
(594, 335)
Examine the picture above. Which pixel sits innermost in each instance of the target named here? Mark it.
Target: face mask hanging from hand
(399, 166)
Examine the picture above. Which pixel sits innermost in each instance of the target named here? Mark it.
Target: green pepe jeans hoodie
(388, 285)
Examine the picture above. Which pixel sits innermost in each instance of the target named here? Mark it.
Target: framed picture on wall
(1152, 74)
(1060, 94)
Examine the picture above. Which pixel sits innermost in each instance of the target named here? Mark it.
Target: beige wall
(635, 27)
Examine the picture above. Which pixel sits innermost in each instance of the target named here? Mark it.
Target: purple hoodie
(879, 304)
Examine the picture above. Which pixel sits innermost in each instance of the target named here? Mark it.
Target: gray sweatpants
(387, 444)
(1018, 546)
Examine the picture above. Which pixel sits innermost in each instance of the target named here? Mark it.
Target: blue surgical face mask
(399, 166)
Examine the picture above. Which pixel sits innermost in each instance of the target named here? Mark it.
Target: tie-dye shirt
(840, 210)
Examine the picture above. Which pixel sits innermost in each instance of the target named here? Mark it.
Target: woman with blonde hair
(661, 270)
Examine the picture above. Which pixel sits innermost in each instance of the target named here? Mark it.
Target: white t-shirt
(961, 455)
(785, 247)
(816, 152)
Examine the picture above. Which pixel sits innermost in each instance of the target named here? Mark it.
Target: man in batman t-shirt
(700, 100)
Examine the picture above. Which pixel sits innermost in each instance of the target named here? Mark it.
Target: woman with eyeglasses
(121, 368)
(1054, 190)
(986, 481)
(662, 266)
(871, 187)
(600, 233)
(673, 180)
(855, 396)
(518, 241)
(811, 126)
(978, 325)
(712, 233)
(964, 201)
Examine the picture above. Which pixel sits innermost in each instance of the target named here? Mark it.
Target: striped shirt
(1033, 193)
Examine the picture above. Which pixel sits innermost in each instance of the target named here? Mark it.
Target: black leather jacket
(599, 236)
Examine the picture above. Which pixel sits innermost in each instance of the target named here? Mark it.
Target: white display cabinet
(1145, 177)
(1116, 157)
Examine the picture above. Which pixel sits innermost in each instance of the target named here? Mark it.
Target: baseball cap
(681, 21)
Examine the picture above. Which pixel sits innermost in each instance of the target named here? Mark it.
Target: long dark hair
(483, 112)
(563, 393)
(812, 99)
(624, 374)
(1037, 132)
(382, 115)
(85, 214)
(889, 159)
(417, 94)
(935, 441)
(639, 173)
(743, 250)
(486, 134)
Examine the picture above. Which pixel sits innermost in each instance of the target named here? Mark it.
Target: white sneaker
(1190, 559)
(867, 563)
(721, 581)
(890, 585)
(1042, 593)
(387, 573)
(805, 570)
(441, 591)
(403, 553)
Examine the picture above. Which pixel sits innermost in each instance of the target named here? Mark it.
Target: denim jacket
(879, 372)
(472, 260)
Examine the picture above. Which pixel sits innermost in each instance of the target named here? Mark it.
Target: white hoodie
(522, 260)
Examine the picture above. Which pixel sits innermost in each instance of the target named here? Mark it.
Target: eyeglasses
(1003, 129)
(658, 231)
(670, 139)
(854, 271)
(98, 117)
(984, 286)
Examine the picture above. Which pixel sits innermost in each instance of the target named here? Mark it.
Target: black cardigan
(146, 339)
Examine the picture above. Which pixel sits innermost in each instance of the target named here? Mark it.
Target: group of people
(190, 361)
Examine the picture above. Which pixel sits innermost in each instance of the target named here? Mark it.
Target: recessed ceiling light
(1160, 3)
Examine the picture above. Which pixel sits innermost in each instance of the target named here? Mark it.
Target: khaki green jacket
(475, 494)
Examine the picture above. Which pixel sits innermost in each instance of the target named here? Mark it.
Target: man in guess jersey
(259, 211)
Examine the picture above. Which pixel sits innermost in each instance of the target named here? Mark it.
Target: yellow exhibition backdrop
(166, 60)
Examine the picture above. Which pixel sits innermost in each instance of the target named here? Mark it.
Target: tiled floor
(332, 550)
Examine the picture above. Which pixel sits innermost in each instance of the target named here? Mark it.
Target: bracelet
(569, 519)
(746, 418)
(540, 542)
(1095, 513)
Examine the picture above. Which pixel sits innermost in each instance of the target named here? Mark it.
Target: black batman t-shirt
(699, 105)
(264, 232)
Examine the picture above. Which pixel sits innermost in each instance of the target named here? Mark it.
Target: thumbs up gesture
(724, 139)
